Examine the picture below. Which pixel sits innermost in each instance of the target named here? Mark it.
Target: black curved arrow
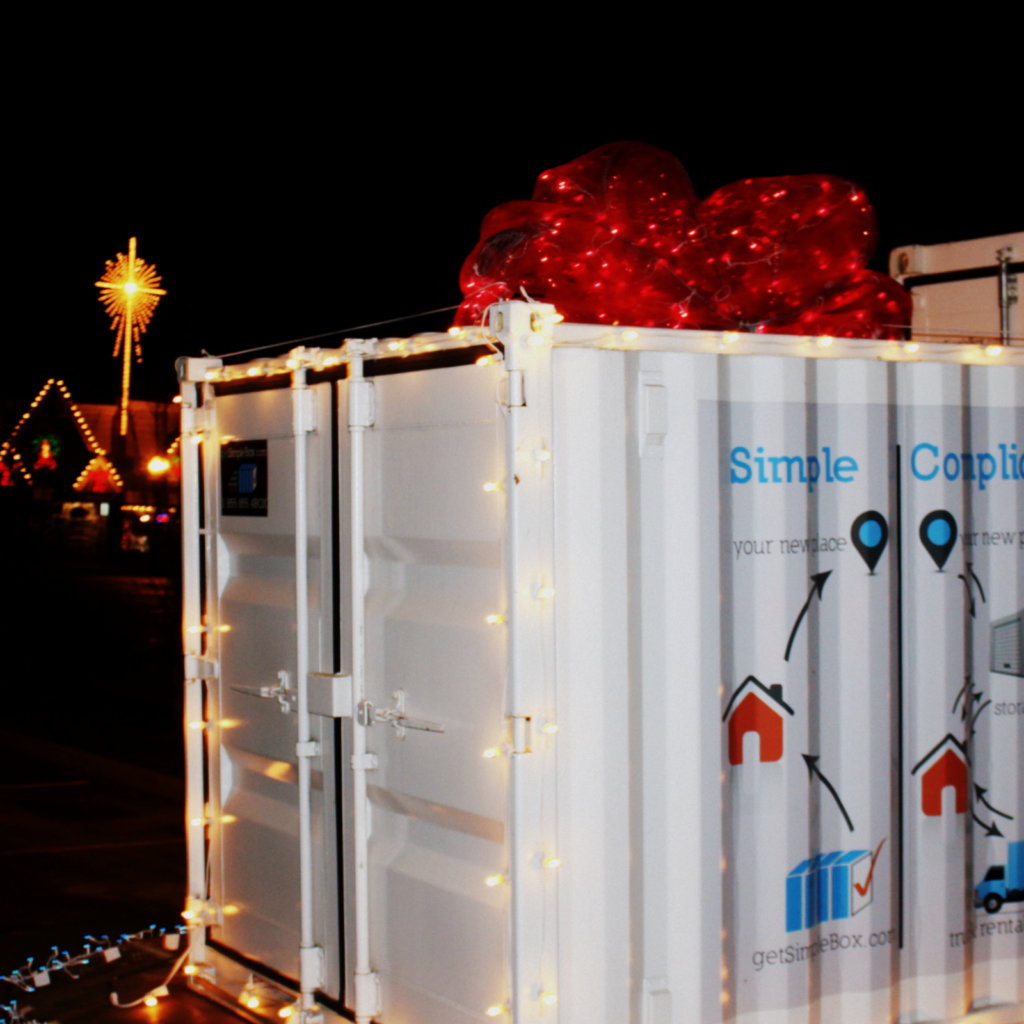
(990, 830)
(970, 569)
(978, 712)
(967, 688)
(818, 580)
(813, 769)
(970, 596)
(979, 795)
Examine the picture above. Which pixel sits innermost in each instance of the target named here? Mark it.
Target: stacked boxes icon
(821, 888)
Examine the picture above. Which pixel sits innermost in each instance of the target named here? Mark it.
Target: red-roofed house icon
(756, 708)
(944, 765)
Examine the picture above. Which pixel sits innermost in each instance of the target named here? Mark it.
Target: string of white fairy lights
(34, 975)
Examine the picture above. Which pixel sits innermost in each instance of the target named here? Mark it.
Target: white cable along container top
(620, 675)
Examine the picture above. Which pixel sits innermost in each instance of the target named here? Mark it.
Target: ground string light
(32, 976)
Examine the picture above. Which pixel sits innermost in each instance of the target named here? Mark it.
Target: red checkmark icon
(863, 889)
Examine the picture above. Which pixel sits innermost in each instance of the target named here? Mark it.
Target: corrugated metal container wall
(715, 628)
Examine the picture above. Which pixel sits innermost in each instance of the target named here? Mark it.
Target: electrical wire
(115, 1000)
(331, 334)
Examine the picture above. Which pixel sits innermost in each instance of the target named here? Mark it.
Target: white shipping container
(558, 673)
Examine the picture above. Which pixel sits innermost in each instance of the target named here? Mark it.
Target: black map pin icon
(938, 535)
(870, 534)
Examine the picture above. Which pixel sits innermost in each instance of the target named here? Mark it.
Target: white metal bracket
(361, 403)
(367, 994)
(197, 668)
(307, 748)
(525, 322)
(311, 964)
(193, 369)
(363, 762)
(303, 412)
(330, 695)
(200, 912)
(521, 734)
(395, 716)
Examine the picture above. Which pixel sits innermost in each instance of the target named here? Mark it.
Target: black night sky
(301, 205)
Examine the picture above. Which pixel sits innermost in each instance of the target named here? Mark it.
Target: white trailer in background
(964, 291)
(556, 673)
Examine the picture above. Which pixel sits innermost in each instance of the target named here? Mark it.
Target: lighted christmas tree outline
(129, 291)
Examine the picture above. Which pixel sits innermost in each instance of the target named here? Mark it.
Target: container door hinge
(363, 762)
(395, 716)
(307, 748)
(311, 964)
(303, 412)
(197, 668)
(199, 912)
(515, 391)
(521, 734)
(367, 993)
(361, 403)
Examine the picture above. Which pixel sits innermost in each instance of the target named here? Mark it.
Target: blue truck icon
(1003, 883)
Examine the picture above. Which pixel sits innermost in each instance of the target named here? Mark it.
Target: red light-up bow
(619, 236)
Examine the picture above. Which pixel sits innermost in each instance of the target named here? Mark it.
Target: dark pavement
(91, 768)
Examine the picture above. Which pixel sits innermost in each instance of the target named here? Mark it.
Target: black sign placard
(243, 478)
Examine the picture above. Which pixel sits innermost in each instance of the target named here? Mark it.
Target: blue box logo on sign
(243, 478)
(829, 887)
(247, 477)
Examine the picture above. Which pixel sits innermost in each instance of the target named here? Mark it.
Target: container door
(250, 618)
(436, 661)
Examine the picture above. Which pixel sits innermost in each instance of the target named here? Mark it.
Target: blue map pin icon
(870, 534)
(938, 535)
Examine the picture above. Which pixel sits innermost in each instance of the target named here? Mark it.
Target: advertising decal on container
(871, 546)
(805, 492)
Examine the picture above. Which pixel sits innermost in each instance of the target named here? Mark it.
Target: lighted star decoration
(129, 291)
